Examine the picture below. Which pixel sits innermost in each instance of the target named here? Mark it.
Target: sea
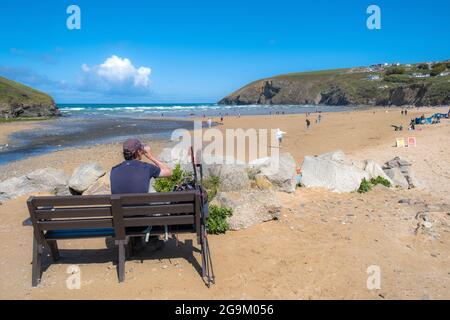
(88, 124)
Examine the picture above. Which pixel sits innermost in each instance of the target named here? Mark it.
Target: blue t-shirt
(133, 177)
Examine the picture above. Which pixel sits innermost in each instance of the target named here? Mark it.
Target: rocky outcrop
(280, 172)
(249, 207)
(333, 172)
(17, 100)
(400, 173)
(342, 88)
(42, 180)
(85, 176)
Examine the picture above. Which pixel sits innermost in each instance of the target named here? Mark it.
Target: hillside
(378, 85)
(17, 100)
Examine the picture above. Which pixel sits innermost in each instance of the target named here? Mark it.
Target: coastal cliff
(378, 85)
(20, 101)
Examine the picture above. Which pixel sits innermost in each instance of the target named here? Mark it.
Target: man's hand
(165, 170)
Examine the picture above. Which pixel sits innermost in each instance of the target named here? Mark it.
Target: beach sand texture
(319, 249)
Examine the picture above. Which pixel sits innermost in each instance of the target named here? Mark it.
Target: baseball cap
(132, 145)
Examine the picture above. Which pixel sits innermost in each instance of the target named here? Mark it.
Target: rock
(42, 180)
(15, 187)
(331, 173)
(249, 207)
(281, 172)
(62, 191)
(374, 170)
(400, 169)
(262, 182)
(396, 176)
(98, 188)
(231, 177)
(48, 178)
(85, 176)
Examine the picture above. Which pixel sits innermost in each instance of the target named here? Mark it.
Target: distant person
(221, 119)
(403, 112)
(209, 122)
(319, 118)
(406, 112)
(308, 124)
(279, 135)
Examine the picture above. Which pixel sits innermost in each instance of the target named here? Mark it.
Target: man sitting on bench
(134, 175)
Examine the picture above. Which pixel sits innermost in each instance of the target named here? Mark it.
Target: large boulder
(48, 178)
(280, 172)
(85, 176)
(374, 170)
(331, 173)
(98, 188)
(249, 207)
(15, 187)
(42, 180)
(399, 170)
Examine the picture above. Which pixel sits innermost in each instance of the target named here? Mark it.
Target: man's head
(133, 149)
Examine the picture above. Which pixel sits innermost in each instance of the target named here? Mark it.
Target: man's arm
(165, 169)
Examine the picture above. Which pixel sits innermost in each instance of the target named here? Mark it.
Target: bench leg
(121, 262)
(53, 245)
(36, 264)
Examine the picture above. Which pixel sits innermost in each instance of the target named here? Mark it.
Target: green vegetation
(398, 78)
(4, 120)
(380, 180)
(212, 186)
(217, 220)
(167, 184)
(12, 92)
(395, 70)
(438, 68)
(353, 86)
(423, 66)
(367, 186)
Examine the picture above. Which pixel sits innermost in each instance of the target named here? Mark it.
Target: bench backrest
(114, 211)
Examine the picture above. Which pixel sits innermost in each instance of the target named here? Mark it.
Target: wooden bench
(116, 216)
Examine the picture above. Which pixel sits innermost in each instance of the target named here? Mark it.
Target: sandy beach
(319, 249)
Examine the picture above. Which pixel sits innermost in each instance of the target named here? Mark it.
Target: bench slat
(75, 224)
(70, 200)
(158, 197)
(79, 233)
(158, 209)
(73, 212)
(159, 221)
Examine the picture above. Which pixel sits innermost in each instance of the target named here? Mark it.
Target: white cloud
(115, 75)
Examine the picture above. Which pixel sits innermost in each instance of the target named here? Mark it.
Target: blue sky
(199, 51)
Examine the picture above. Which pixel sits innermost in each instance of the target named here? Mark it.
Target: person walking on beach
(134, 175)
(308, 123)
(209, 123)
(279, 135)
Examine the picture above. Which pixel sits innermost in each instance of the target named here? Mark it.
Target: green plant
(380, 180)
(395, 70)
(423, 66)
(167, 184)
(211, 185)
(217, 221)
(365, 186)
(438, 68)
